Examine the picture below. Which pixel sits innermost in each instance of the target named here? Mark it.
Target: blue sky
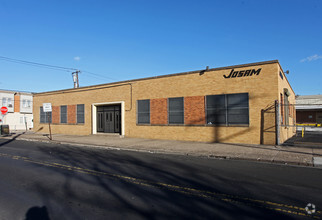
(129, 39)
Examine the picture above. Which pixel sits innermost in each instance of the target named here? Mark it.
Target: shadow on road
(12, 139)
(146, 200)
(37, 213)
(310, 139)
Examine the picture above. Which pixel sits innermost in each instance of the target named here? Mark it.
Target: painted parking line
(285, 208)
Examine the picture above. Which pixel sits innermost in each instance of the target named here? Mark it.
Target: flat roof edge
(15, 91)
(157, 77)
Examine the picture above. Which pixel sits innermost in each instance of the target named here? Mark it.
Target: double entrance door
(109, 119)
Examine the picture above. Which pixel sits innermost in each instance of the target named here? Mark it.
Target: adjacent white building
(19, 104)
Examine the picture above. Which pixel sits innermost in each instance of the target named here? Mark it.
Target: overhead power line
(36, 64)
(98, 75)
(53, 67)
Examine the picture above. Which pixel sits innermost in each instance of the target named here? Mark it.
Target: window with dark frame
(216, 109)
(4, 101)
(143, 111)
(63, 114)
(237, 109)
(9, 102)
(176, 110)
(44, 116)
(282, 110)
(286, 109)
(228, 109)
(80, 114)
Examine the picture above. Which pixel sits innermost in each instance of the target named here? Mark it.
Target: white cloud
(311, 58)
(77, 58)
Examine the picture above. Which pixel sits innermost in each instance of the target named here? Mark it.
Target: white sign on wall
(47, 107)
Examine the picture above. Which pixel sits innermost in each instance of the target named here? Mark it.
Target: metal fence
(307, 122)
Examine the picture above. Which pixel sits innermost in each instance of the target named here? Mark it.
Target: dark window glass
(216, 109)
(237, 106)
(286, 110)
(228, 109)
(176, 111)
(238, 116)
(216, 101)
(143, 110)
(63, 114)
(214, 118)
(237, 100)
(282, 109)
(44, 116)
(80, 113)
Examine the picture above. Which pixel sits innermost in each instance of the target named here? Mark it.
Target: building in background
(247, 103)
(19, 104)
(309, 109)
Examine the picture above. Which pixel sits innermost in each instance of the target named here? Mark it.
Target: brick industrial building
(309, 109)
(235, 104)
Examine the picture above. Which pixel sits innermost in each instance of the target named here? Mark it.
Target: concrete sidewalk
(268, 153)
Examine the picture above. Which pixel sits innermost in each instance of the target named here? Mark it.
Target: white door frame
(94, 114)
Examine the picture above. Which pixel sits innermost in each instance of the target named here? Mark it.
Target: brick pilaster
(16, 103)
(71, 114)
(194, 110)
(55, 115)
(159, 111)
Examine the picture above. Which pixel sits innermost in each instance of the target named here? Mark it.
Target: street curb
(209, 156)
(317, 161)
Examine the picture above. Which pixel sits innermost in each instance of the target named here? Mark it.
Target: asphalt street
(51, 181)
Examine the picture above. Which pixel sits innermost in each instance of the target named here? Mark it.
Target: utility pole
(75, 78)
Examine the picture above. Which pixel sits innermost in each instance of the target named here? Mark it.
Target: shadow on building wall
(268, 125)
(39, 129)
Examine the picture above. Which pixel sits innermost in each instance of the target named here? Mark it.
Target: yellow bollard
(302, 132)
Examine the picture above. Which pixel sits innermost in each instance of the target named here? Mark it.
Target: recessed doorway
(109, 119)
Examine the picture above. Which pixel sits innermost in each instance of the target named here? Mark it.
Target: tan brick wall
(263, 90)
(71, 114)
(158, 111)
(194, 110)
(17, 103)
(55, 114)
(268, 127)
